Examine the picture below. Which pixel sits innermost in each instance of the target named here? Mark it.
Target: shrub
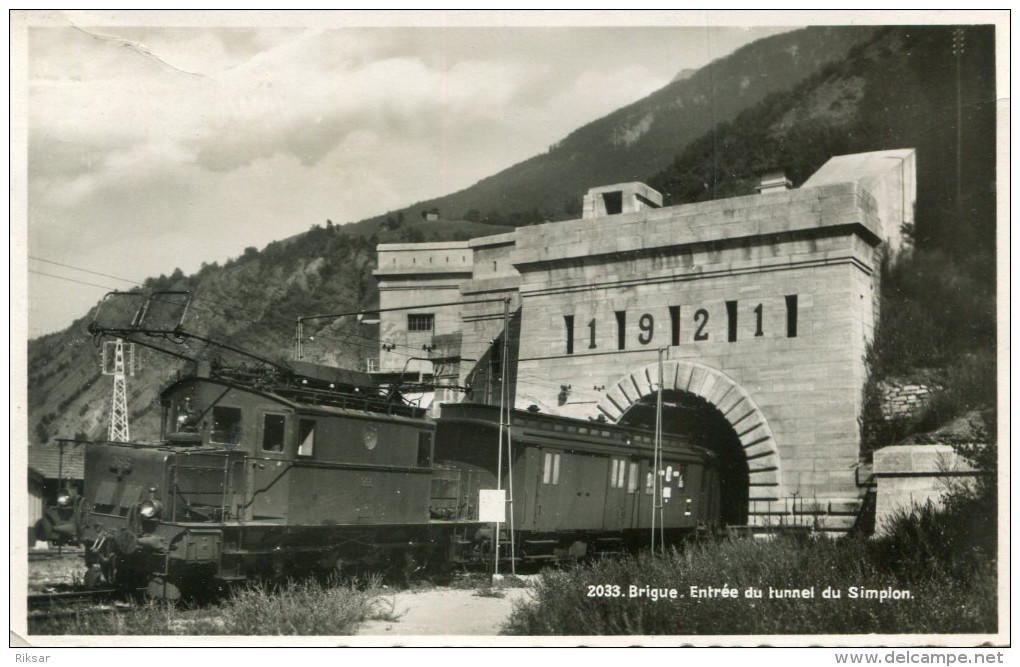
(938, 603)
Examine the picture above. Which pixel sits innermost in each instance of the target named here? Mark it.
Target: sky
(152, 148)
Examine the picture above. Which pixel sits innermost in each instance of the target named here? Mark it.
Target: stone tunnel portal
(690, 416)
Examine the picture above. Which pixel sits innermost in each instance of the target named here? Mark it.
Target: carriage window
(307, 437)
(632, 479)
(649, 483)
(424, 449)
(273, 429)
(680, 476)
(551, 469)
(226, 428)
(618, 474)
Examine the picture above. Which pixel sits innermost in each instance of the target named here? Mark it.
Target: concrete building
(762, 306)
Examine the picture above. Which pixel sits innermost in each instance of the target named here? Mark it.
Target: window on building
(621, 329)
(632, 478)
(274, 427)
(306, 437)
(424, 449)
(420, 321)
(731, 318)
(551, 468)
(568, 321)
(226, 428)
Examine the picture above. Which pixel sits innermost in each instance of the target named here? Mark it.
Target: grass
(952, 587)
(303, 608)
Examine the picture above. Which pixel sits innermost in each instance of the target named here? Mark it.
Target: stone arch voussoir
(717, 388)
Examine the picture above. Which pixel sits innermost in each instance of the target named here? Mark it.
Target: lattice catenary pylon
(119, 431)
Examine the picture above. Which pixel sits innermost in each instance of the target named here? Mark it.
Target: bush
(946, 558)
(913, 559)
(936, 313)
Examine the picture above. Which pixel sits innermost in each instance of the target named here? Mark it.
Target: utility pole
(958, 44)
(504, 397)
(505, 386)
(657, 500)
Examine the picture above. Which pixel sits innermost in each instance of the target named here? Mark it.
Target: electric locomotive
(271, 474)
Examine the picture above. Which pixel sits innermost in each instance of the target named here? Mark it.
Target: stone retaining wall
(904, 400)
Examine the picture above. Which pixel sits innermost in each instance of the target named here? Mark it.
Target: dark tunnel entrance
(688, 415)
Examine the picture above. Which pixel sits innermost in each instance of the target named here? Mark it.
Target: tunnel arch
(713, 388)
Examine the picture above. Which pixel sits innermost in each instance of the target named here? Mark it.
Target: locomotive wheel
(126, 541)
(413, 564)
(93, 576)
(109, 565)
(161, 589)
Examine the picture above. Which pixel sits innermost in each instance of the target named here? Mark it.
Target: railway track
(54, 555)
(75, 602)
(37, 601)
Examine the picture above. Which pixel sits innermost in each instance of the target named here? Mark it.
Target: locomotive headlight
(150, 509)
(64, 498)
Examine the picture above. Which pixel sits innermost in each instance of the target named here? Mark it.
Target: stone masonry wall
(903, 400)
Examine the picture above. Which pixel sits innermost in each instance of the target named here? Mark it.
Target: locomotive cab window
(424, 449)
(226, 427)
(273, 430)
(306, 437)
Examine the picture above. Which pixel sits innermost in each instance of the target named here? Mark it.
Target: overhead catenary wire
(371, 344)
(250, 319)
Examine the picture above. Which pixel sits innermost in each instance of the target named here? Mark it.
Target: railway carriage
(581, 486)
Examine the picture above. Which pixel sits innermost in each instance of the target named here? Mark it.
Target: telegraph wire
(70, 280)
(78, 268)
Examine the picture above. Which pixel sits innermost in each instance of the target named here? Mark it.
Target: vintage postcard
(442, 328)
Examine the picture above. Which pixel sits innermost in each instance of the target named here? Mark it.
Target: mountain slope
(643, 137)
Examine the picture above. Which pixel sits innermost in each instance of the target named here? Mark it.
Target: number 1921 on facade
(687, 324)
